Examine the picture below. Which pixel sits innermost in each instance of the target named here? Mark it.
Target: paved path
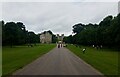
(59, 61)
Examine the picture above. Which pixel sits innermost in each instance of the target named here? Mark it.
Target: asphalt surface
(59, 61)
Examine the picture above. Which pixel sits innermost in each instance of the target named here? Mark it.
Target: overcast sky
(59, 17)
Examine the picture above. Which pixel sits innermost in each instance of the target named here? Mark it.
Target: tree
(77, 28)
(68, 39)
(32, 38)
(107, 32)
(10, 32)
(114, 32)
(21, 33)
(106, 21)
(54, 38)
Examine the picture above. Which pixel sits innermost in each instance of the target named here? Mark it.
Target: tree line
(16, 34)
(106, 33)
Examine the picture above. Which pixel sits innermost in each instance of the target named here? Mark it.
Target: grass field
(104, 60)
(17, 57)
(0, 60)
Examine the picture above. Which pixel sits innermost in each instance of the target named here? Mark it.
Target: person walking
(58, 45)
(84, 50)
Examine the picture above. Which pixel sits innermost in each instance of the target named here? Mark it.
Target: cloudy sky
(59, 17)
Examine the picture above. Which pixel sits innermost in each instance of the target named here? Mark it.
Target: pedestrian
(100, 46)
(61, 45)
(58, 45)
(97, 47)
(84, 50)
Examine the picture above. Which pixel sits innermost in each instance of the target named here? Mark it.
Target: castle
(46, 37)
(60, 38)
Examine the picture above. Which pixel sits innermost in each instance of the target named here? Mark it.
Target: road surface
(59, 61)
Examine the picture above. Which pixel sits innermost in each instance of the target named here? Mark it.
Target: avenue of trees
(16, 34)
(106, 33)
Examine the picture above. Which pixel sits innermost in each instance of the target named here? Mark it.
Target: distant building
(60, 38)
(46, 37)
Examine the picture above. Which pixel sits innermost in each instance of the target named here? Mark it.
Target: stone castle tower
(46, 37)
(60, 38)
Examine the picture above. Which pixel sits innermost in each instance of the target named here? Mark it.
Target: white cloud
(0, 10)
(59, 0)
(58, 17)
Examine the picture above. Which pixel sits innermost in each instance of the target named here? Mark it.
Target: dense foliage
(106, 33)
(16, 34)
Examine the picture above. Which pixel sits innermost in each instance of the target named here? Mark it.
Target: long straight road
(59, 61)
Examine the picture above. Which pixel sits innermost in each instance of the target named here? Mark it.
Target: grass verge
(104, 60)
(18, 56)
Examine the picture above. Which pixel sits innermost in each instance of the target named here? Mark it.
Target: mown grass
(18, 56)
(104, 60)
(0, 60)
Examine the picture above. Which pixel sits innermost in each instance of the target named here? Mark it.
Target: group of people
(84, 49)
(97, 46)
(59, 45)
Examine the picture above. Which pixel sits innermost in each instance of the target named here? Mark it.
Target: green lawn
(18, 56)
(104, 60)
(0, 60)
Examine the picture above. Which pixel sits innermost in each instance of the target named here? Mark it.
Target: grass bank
(104, 60)
(18, 56)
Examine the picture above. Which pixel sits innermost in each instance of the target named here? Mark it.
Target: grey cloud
(58, 17)
(59, 0)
